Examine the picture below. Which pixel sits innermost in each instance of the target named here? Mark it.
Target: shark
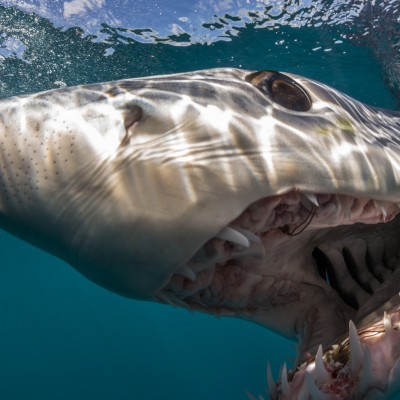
(261, 195)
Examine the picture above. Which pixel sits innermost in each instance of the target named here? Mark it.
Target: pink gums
(364, 365)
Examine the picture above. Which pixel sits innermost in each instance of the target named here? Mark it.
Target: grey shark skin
(261, 195)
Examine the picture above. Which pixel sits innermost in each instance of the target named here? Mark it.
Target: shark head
(261, 195)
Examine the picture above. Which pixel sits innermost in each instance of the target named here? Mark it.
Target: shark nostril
(132, 114)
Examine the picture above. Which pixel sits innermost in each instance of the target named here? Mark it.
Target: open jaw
(306, 265)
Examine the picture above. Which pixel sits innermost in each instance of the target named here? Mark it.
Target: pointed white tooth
(270, 382)
(256, 250)
(382, 209)
(313, 198)
(186, 272)
(252, 237)
(256, 247)
(321, 374)
(171, 299)
(315, 393)
(384, 214)
(179, 302)
(304, 393)
(355, 349)
(308, 200)
(284, 381)
(367, 375)
(232, 235)
(387, 322)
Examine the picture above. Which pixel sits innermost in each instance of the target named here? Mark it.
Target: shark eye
(281, 89)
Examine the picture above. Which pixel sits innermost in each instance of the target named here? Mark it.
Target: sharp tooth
(232, 235)
(180, 302)
(312, 198)
(252, 237)
(256, 248)
(171, 299)
(355, 349)
(186, 272)
(381, 207)
(384, 214)
(315, 393)
(270, 382)
(387, 322)
(304, 393)
(284, 381)
(321, 374)
(367, 375)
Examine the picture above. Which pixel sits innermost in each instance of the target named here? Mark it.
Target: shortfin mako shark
(256, 194)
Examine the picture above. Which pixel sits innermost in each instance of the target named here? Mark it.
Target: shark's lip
(288, 255)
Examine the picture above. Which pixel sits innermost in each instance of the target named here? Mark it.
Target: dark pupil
(288, 94)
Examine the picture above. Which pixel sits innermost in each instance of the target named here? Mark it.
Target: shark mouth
(320, 268)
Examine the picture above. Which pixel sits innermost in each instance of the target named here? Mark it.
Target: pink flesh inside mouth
(305, 265)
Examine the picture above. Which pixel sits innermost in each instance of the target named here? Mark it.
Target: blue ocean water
(61, 336)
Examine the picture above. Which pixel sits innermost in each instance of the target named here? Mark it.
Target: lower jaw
(363, 365)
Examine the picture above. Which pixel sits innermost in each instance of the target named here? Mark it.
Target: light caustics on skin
(260, 195)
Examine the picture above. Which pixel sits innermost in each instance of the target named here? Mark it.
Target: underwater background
(62, 337)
